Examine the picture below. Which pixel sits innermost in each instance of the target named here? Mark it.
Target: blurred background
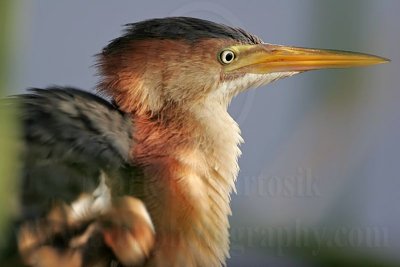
(320, 181)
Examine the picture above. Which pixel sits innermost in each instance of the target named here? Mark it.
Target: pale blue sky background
(337, 130)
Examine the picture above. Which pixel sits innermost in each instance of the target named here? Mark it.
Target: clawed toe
(128, 231)
(62, 238)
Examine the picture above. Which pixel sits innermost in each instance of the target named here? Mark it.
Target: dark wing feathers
(69, 136)
(69, 124)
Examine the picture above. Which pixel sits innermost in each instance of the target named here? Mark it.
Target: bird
(141, 173)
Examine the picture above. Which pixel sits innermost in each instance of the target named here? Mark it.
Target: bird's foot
(128, 231)
(51, 241)
(68, 236)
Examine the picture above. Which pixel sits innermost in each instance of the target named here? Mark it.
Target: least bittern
(146, 179)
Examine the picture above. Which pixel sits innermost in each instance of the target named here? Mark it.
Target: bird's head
(183, 62)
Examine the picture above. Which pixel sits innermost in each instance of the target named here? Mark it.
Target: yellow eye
(226, 56)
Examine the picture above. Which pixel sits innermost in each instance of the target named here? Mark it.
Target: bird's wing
(71, 140)
(69, 137)
(72, 124)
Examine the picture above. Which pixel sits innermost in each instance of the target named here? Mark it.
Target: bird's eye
(226, 56)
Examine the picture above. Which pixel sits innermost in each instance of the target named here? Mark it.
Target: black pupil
(228, 56)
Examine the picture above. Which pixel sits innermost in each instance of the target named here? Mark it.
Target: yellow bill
(266, 58)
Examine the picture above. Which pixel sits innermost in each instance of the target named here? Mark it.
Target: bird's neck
(190, 169)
